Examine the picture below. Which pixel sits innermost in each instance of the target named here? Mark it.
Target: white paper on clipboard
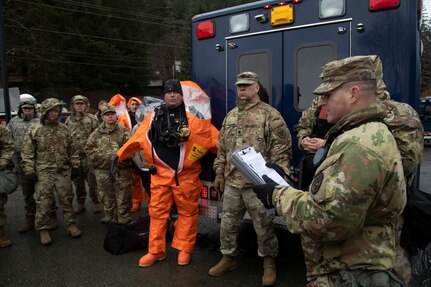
(252, 165)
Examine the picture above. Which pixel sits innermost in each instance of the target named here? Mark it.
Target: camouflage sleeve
(6, 147)
(407, 129)
(340, 195)
(28, 152)
(280, 142)
(95, 123)
(91, 150)
(220, 161)
(73, 152)
(307, 121)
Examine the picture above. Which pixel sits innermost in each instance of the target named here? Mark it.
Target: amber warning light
(205, 30)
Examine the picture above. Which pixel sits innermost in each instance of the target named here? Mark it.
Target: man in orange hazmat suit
(173, 141)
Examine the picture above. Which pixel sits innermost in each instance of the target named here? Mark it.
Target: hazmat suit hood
(133, 99)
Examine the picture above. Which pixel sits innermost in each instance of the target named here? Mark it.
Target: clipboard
(253, 166)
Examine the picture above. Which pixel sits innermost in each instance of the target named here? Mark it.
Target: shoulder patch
(281, 133)
(317, 182)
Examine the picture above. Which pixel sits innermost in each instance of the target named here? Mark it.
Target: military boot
(73, 230)
(4, 242)
(97, 207)
(269, 271)
(45, 238)
(227, 263)
(28, 224)
(80, 207)
(52, 223)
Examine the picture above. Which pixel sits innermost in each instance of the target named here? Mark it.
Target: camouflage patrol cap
(246, 78)
(107, 109)
(336, 73)
(79, 98)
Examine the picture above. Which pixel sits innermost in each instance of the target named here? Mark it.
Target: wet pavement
(84, 262)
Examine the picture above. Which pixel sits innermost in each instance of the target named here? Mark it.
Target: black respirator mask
(170, 134)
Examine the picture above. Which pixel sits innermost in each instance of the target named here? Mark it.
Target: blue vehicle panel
(289, 57)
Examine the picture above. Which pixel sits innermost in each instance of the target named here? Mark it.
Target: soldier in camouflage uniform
(406, 127)
(348, 218)
(81, 124)
(6, 152)
(257, 124)
(18, 126)
(48, 158)
(116, 194)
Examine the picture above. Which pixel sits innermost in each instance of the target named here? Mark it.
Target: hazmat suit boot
(227, 263)
(183, 258)
(28, 224)
(73, 230)
(52, 223)
(151, 258)
(4, 242)
(269, 271)
(80, 207)
(45, 238)
(97, 207)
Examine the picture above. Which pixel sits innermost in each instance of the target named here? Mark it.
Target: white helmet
(26, 98)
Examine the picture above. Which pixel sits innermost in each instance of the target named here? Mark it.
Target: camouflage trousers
(27, 187)
(3, 200)
(115, 196)
(235, 203)
(44, 196)
(357, 278)
(86, 174)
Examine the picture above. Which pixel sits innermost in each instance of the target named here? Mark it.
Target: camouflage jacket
(348, 219)
(406, 127)
(104, 143)
(48, 147)
(258, 125)
(81, 128)
(18, 127)
(307, 121)
(6, 147)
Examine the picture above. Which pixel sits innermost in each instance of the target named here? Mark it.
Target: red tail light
(204, 192)
(205, 30)
(297, 1)
(375, 5)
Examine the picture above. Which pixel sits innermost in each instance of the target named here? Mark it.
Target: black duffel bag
(122, 238)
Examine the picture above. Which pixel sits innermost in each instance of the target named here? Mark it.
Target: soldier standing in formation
(257, 124)
(6, 152)
(18, 126)
(81, 124)
(348, 218)
(115, 191)
(49, 157)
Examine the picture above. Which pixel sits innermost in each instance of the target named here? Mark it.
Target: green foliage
(112, 45)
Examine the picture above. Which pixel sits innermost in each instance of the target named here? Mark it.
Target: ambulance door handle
(232, 45)
(341, 30)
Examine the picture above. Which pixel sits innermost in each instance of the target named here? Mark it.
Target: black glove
(32, 177)
(75, 173)
(264, 191)
(280, 171)
(113, 168)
